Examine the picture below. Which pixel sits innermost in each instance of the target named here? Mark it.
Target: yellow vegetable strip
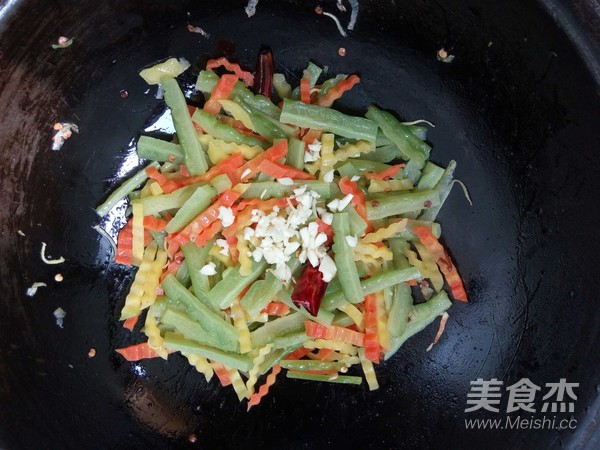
(364, 251)
(390, 185)
(138, 233)
(327, 159)
(342, 154)
(146, 190)
(382, 331)
(354, 313)
(133, 301)
(244, 256)
(338, 346)
(238, 384)
(153, 279)
(368, 370)
(414, 260)
(256, 363)
(385, 233)
(218, 150)
(431, 268)
(155, 340)
(353, 151)
(155, 188)
(240, 323)
(201, 364)
(238, 113)
(346, 360)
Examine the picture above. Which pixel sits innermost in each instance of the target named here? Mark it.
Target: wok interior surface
(517, 109)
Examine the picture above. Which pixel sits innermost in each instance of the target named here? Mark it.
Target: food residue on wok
(192, 29)
(31, 291)
(64, 130)
(62, 42)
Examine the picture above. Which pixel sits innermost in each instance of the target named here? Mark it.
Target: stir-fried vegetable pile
(288, 236)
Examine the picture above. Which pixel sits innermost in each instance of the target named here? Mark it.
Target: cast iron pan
(518, 109)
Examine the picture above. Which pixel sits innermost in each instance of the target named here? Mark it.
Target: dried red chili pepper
(309, 290)
(263, 81)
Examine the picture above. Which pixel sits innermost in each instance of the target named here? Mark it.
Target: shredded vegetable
(267, 239)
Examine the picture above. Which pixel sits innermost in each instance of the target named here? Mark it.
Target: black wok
(518, 109)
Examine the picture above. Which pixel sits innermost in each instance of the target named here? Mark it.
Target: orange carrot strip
(308, 135)
(334, 333)
(221, 91)
(207, 234)
(233, 250)
(305, 91)
(297, 354)
(226, 166)
(371, 338)
(338, 90)
(277, 309)
(246, 77)
(348, 186)
(130, 323)
(325, 353)
(278, 170)
(244, 216)
(443, 261)
(385, 174)
(154, 223)
(183, 170)
(137, 352)
(273, 153)
(222, 373)
(154, 174)
(264, 389)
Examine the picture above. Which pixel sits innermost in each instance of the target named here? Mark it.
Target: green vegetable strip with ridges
(395, 204)
(421, 316)
(308, 364)
(269, 189)
(412, 148)
(297, 338)
(255, 300)
(222, 131)
(314, 72)
(402, 300)
(430, 177)
(344, 259)
(278, 327)
(198, 202)
(295, 155)
(194, 331)
(159, 150)
(341, 379)
(209, 320)
(229, 359)
(195, 159)
(233, 284)
(195, 259)
(443, 188)
(327, 119)
(159, 203)
(124, 190)
(332, 299)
